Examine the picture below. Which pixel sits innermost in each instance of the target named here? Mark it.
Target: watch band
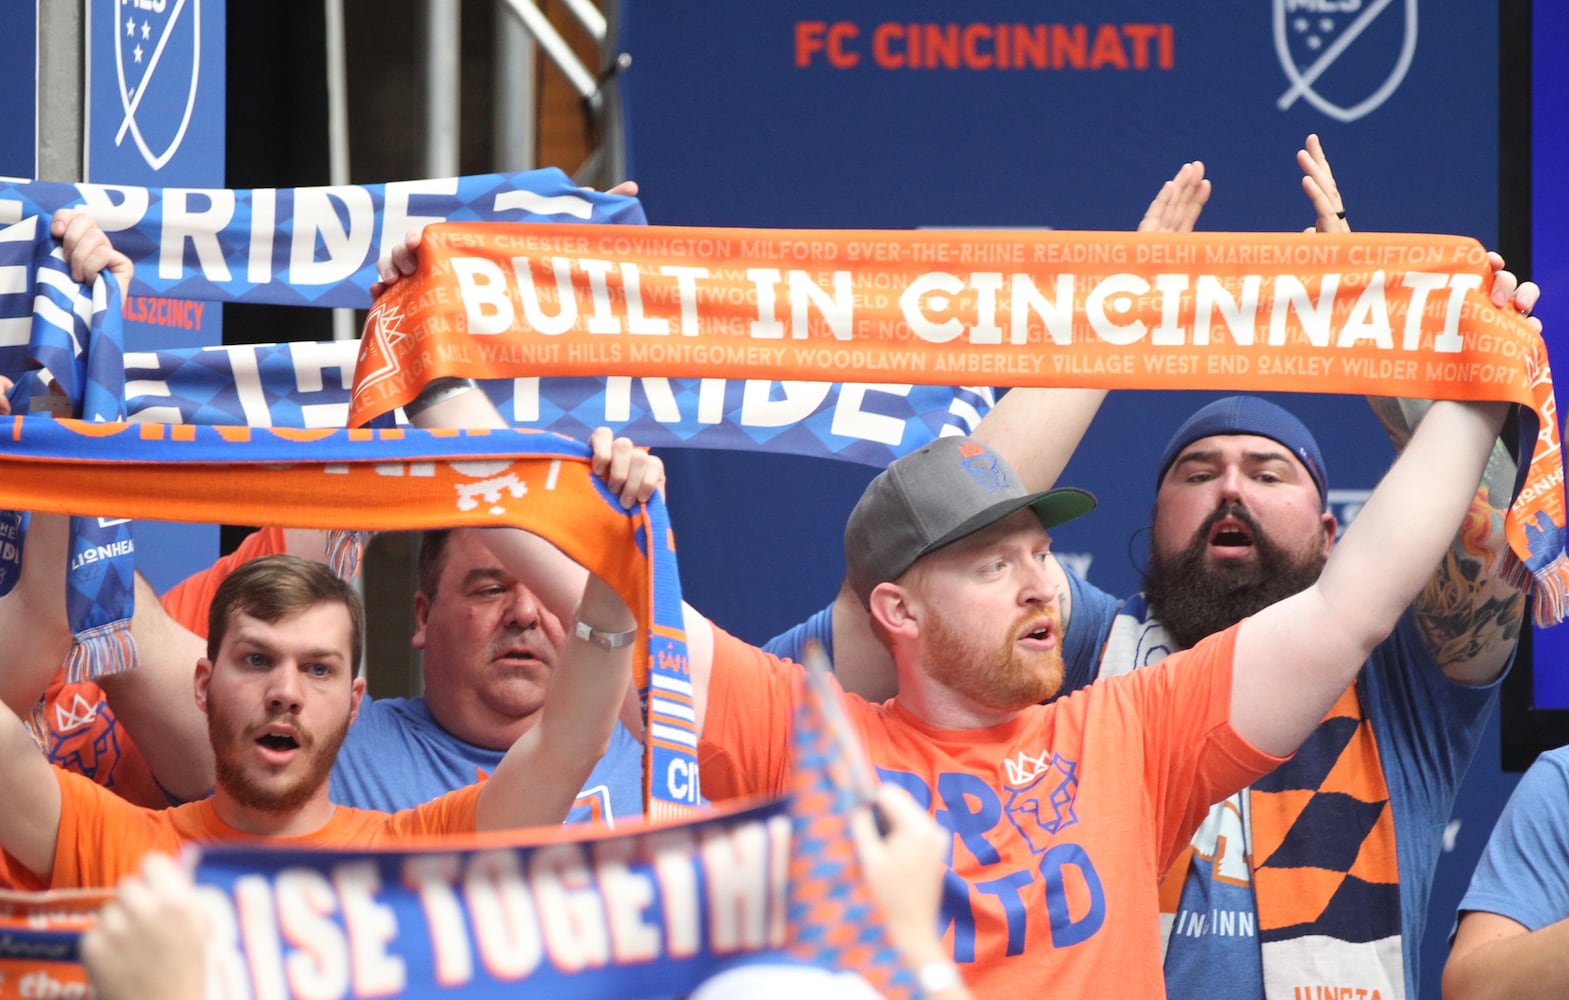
(438, 390)
(604, 640)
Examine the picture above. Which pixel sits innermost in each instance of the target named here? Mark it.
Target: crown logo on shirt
(1027, 767)
(80, 713)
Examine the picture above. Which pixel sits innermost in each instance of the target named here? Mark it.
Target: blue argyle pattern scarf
(52, 325)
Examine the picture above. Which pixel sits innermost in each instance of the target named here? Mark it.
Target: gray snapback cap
(932, 497)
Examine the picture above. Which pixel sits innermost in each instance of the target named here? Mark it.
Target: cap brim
(1052, 507)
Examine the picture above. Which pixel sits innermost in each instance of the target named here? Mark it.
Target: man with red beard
(1064, 816)
(1318, 876)
(279, 691)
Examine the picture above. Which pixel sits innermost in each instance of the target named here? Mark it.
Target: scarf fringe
(102, 650)
(1549, 590)
(345, 549)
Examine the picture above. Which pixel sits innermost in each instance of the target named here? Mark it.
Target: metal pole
(515, 125)
(443, 36)
(556, 47)
(343, 325)
(61, 107)
(589, 17)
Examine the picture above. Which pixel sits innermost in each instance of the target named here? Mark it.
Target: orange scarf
(380, 481)
(1402, 315)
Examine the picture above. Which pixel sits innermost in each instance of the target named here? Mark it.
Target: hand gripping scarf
(379, 481)
(1370, 314)
(57, 325)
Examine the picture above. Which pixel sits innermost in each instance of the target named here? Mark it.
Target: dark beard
(1195, 599)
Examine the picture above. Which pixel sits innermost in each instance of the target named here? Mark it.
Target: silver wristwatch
(604, 640)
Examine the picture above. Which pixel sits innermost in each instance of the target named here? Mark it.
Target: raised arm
(32, 616)
(1469, 613)
(1294, 658)
(154, 702)
(30, 821)
(538, 780)
(1038, 430)
(30, 818)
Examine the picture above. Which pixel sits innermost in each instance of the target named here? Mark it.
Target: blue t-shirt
(1427, 728)
(396, 756)
(1524, 870)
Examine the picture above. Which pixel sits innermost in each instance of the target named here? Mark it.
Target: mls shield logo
(1344, 57)
(157, 56)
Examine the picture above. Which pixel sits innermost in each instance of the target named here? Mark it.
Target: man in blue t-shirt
(489, 646)
(1514, 918)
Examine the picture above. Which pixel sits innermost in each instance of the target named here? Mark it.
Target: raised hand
(628, 471)
(87, 249)
(1178, 203)
(1510, 291)
(1318, 183)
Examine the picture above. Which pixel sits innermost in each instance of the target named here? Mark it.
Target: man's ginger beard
(1003, 677)
(1195, 596)
(228, 745)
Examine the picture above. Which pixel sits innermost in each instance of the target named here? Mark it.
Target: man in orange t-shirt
(1064, 816)
(278, 690)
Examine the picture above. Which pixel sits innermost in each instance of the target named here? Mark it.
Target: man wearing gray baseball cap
(1064, 815)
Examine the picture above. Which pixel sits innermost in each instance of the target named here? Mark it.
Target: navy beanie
(1249, 415)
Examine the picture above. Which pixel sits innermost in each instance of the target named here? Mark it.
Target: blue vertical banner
(156, 92)
(19, 84)
(155, 118)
